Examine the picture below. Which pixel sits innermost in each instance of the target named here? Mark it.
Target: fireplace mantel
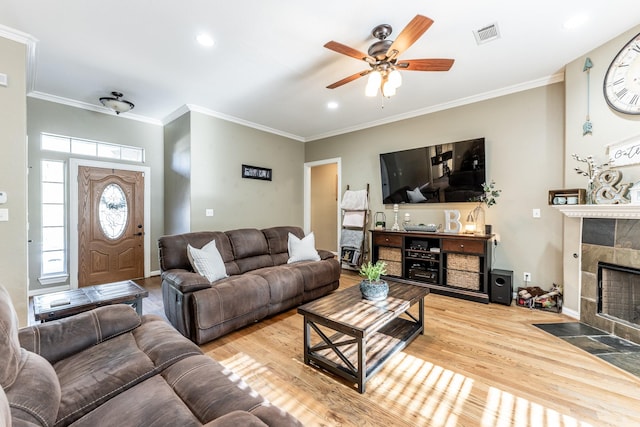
(600, 211)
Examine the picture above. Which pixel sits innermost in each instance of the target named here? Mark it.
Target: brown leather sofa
(260, 283)
(110, 366)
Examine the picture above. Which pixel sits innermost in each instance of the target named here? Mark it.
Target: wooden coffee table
(67, 303)
(365, 333)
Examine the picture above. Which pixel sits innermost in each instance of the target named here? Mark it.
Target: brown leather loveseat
(110, 366)
(260, 280)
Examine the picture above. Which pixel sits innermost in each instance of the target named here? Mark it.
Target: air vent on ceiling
(487, 34)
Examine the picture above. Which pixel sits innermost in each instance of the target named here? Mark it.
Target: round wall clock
(622, 81)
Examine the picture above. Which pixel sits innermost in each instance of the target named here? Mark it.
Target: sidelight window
(53, 219)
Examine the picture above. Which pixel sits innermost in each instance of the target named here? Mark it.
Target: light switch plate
(4, 214)
(3, 79)
(209, 212)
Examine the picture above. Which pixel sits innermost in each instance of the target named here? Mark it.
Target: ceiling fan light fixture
(395, 78)
(373, 83)
(116, 104)
(388, 90)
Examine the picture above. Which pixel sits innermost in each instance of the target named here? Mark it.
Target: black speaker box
(501, 286)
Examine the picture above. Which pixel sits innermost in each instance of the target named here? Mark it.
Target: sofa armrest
(185, 281)
(61, 338)
(326, 254)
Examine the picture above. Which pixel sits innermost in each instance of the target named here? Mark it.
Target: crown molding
(91, 107)
(206, 111)
(31, 43)
(532, 84)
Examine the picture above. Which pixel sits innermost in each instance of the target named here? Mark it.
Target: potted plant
(372, 288)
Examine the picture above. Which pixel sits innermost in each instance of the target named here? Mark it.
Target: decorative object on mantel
(624, 153)
(593, 169)
(488, 197)
(372, 288)
(608, 188)
(634, 194)
(572, 196)
(587, 127)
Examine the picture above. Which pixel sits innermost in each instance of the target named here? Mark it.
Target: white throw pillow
(416, 196)
(207, 261)
(302, 249)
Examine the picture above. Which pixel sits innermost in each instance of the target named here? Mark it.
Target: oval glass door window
(113, 211)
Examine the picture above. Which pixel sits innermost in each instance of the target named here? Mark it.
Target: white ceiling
(269, 68)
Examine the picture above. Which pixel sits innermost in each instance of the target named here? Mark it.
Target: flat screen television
(452, 172)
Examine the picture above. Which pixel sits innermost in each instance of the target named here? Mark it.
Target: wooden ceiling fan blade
(349, 51)
(348, 79)
(435, 64)
(409, 35)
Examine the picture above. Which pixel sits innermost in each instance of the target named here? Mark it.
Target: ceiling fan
(382, 57)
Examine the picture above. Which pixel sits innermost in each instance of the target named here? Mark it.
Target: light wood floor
(476, 365)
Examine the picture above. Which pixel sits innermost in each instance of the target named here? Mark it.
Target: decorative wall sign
(625, 153)
(255, 172)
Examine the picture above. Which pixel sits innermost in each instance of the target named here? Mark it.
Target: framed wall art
(256, 172)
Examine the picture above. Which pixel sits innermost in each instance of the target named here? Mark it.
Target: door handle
(139, 234)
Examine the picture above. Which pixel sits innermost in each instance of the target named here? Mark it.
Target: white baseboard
(571, 313)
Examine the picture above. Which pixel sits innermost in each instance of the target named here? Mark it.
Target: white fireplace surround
(600, 211)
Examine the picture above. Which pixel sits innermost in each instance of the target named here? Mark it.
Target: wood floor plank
(476, 365)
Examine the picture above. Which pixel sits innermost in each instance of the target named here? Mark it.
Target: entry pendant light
(117, 104)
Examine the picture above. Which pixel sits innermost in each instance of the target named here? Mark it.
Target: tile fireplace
(610, 276)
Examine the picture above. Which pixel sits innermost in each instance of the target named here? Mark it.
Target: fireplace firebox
(619, 293)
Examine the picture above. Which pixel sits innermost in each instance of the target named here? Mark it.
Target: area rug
(610, 348)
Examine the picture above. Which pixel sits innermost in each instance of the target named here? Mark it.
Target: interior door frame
(74, 164)
(307, 194)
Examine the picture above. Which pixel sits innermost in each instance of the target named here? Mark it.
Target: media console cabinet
(457, 265)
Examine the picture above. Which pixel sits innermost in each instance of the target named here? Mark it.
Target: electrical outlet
(527, 277)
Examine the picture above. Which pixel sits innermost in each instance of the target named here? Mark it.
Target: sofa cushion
(64, 337)
(278, 238)
(250, 249)
(173, 255)
(284, 283)
(231, 298)
(226, 392)
(207, 261)
(302, 249)
(150, 403)
(10, 353)
(97, 374)
(34, 397)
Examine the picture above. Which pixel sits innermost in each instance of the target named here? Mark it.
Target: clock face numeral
(622, 81)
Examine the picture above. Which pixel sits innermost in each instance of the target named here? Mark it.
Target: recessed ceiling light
(332, 105)
(575, 22)
(205, 40)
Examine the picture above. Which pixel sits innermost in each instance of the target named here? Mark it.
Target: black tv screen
(452, 172)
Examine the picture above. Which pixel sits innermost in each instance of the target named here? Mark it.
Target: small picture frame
(256, 172)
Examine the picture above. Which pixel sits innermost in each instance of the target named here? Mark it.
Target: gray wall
(49, 117)
(609, 127)
(13, 179)
(177, 175)
(218, 149)
(525, 157)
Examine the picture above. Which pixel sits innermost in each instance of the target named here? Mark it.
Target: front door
(110, 225)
